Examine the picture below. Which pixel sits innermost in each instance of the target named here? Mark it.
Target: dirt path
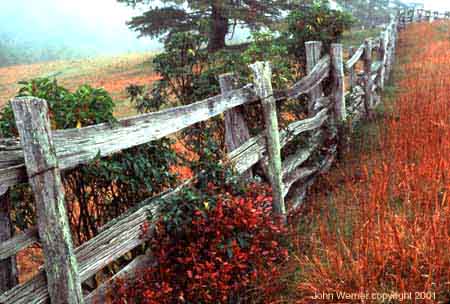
(378, 226)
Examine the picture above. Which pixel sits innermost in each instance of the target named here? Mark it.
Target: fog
(91, 26)
(87, 25)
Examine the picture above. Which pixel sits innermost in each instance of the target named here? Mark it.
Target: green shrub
(316, 22)
(106, 187)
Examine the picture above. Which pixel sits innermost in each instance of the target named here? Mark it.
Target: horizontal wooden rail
(18, 242)
(254, 149)
(243, 158)
(313, 79)
(119, 236)
(354, 59)
(79, 146)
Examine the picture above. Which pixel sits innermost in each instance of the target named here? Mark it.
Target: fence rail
(40, 155)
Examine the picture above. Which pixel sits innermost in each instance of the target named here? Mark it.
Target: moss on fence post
(263, 84)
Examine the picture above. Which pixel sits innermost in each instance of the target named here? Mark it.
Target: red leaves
(232, 249)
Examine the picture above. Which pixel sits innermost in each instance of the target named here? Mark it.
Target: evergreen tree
(212, 18)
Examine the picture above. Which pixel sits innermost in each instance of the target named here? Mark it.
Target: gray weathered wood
(236, 129)
(338, 82)
(351, 71)
(33, 124)
(313, 53)
(299, 193)
(10, 152)
(128, 273)
(293, 161)
(18, 242)
(78, 146)
(255, 149)
(382, 57)
(8, 269)
(262, 72)
(313, 79)
(298, 174)
(355, 57)
(368, 83)
(116, 238)
(337, 93)
(243, 158)
(10, 176)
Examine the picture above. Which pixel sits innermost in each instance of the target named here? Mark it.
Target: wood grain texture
(313, 53)
(313, 79)
(236, 129)
(337, 72)
(355, 57)
(8, 269)
(254, 149)
(115, 239)
(33, 124)
(368, 82)
(18, 242)
(262, 72)
(78, 146)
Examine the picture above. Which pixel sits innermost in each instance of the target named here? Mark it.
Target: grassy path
(378, 226)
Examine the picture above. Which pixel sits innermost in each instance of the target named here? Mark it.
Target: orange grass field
(378, 227)
(114, 74)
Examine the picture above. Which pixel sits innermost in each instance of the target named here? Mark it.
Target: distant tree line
(13, 51)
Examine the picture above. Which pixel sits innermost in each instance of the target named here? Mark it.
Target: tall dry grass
(384, 226)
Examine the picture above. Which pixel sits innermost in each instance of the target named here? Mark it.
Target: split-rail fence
(41, 154)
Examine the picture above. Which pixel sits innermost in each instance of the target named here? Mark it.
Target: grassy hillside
(112, 73)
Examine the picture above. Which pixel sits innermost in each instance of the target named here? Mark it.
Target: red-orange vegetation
(386, 226)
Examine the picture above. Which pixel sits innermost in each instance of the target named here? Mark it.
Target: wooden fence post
(382, 57)
(63, 282)
(352, 76)
(8, 269)
(368, 83)
(236, 130)
(313, 53)
(340, 111)
(262, 72)
(337, 70)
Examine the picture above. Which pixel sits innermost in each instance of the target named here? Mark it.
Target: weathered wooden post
(61, 268)
(313, 53)
(337, 72)
(340, 111)
(262, 72)
(352, 75)
(382, 57)
(8, 269)
(236, 129)
(368, 77)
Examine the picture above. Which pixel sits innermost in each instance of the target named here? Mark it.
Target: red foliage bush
(228, 251)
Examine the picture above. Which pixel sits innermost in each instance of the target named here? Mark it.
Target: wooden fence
(420, 15)
(40, 155)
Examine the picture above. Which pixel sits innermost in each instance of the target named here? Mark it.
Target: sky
(88, 24)
(441, 5)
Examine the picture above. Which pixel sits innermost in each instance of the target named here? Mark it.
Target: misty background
(47, 29)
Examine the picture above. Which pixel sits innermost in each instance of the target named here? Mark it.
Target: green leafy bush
(106, 187)
(316, 22)
(85, 106)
